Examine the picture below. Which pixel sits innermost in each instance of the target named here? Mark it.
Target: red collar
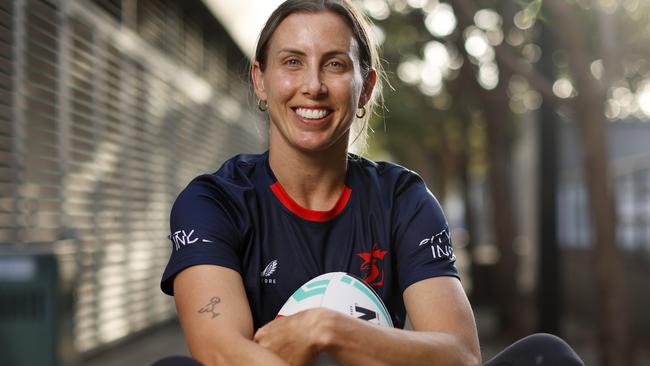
(307, 214)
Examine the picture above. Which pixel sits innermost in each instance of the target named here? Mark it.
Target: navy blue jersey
(386, 228)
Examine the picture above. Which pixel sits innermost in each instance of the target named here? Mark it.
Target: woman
(246, 237)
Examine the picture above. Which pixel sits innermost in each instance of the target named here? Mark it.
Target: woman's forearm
(215, 317)
(355, 342)
(235, 351)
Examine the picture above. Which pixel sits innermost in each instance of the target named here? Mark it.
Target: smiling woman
(311, 80)
(263, 225)
(354, 56)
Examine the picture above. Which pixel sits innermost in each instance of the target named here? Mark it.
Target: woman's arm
(445, 331)
(216, 318)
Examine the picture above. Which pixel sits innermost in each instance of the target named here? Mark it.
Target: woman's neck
(314, 180)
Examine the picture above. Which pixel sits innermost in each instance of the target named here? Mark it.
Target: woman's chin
(319, 145)
(312, 148)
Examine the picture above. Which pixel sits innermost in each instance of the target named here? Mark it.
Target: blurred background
(528, 119)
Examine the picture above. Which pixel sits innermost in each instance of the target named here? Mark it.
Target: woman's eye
(292, 62)
(336, 65)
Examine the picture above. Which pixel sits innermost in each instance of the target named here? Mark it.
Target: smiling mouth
(310, 113)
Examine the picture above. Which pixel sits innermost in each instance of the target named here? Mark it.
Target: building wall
(107, 109)
(630, 170)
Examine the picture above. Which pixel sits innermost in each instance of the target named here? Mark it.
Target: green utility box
(28, 309)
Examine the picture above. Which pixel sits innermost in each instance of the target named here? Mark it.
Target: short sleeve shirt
(386, 228)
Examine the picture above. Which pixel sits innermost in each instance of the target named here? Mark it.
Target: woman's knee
(538, 349)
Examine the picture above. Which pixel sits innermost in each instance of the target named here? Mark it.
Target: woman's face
(312, 82)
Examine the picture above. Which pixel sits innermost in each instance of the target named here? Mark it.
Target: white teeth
(311, 113)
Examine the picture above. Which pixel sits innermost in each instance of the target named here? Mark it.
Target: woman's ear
(368, 86)
(257, 75)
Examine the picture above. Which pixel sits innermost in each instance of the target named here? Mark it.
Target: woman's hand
(446, 336)
(298, 338)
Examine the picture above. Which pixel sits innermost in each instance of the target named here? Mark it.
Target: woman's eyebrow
(291, 50)
(336, 52)
(296, 51)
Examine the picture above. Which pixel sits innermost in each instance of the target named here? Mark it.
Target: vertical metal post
(645, 198)
(18, 140)
(549, 294)
(64, 117)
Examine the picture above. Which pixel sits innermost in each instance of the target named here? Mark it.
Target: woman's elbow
(472, 359)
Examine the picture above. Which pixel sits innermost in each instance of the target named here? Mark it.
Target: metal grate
(29, 300)
(111, 7)
(102, 123)
(22, 304)
(7, 219)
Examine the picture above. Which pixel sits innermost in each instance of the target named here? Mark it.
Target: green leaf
(531, 10)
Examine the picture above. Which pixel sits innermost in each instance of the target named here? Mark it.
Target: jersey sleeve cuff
(167, 282)
(424, 276)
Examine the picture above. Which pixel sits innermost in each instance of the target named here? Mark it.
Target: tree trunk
(495, 106)
(499, 150)
(481, 285)
(589, 114)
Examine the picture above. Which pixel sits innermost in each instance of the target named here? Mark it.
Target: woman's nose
(313, 84)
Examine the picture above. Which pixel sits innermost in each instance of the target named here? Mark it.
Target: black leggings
(539, 349)
(535, 350)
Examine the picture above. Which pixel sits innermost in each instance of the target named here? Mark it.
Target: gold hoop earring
(363, 112)
(262, 105)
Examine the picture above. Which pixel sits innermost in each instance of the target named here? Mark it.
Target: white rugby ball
(341, 292)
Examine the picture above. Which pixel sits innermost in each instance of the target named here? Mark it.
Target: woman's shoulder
(241, 166)
(236, 175)
(385, 172)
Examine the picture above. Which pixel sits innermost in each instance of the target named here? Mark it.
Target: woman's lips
(312, 113)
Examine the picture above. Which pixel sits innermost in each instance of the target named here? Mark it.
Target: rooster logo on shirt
(375, 276)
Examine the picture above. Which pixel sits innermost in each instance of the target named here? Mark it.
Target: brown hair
(361, 29)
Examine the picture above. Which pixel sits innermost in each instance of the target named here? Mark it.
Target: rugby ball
(341, 292)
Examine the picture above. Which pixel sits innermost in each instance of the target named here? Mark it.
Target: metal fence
(107, 109)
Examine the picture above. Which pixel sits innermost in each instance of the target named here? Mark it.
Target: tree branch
(572, 42)
(508, 59)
